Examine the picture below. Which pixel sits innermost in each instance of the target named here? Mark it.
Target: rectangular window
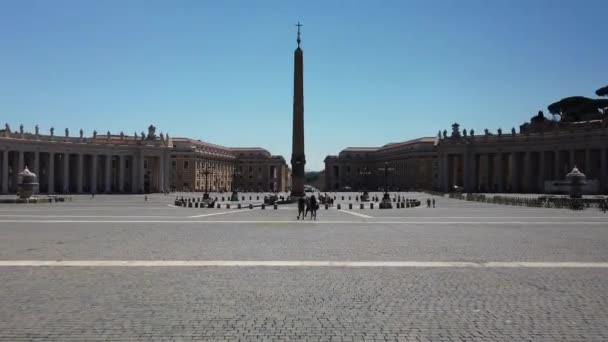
(185, 164)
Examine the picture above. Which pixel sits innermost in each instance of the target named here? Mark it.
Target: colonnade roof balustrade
(115, 140)
(578, 132)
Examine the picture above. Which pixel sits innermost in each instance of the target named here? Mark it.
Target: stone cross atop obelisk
(298, 160)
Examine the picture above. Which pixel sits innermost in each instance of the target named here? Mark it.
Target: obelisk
(298, 160)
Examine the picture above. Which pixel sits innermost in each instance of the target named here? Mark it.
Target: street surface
(121, 268)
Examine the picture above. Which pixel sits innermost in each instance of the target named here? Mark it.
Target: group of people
(306, 205)
(428, 202)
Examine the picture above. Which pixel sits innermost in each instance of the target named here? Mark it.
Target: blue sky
(222, 71)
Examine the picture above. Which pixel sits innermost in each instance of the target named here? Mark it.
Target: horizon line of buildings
(534, 160)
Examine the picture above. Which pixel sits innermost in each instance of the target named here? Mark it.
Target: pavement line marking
(320, 222)
(305, 263)
(357, 214)
(222, 213)
(100, 216)
(604, 217)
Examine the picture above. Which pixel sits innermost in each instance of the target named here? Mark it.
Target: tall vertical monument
(298, 160)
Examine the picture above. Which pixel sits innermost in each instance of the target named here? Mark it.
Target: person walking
(428, 202)
(433, 203)
(301, 204)
(307, 201)
(313, 207)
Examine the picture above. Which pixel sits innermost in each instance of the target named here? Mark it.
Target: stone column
(140, 177)
(93, 173)
(5, 171)
(500, 174)
(66, 173)
(20, 165)
(603, 170)
(572, 160)
(484, 161)
(541, 171)
(79, 175)
(445, 174)
(134, 183)
(468, 173)
(556, 166)
(161, 168)
(36, 166)
(51, 173)
(19, 168)
(527, 183)
(513, 172)
(108, 173)
(121, 173)
(588, 169)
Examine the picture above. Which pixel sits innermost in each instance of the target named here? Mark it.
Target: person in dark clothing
(301, 205)
(313, 207)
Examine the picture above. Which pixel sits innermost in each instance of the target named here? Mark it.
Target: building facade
(258, 170)
(531, 161)
(409, 165)
(536, 159)
(127, 164)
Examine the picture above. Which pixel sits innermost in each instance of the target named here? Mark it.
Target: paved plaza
(121, 268)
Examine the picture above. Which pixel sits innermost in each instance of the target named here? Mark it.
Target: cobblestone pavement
(301, 303)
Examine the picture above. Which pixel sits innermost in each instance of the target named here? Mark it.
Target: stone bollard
(239, 206)
(371, 205)
(362, 206)
(275, 206)
(338, 206)
(326, 206)
(250, 206)
(350, 205)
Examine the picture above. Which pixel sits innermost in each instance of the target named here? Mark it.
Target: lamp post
(206, 172)
(386, 198)
(235, 194)
(235, 174)
(365, 172)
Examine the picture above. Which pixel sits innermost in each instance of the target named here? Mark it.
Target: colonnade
(83, 172)
(519, 171)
